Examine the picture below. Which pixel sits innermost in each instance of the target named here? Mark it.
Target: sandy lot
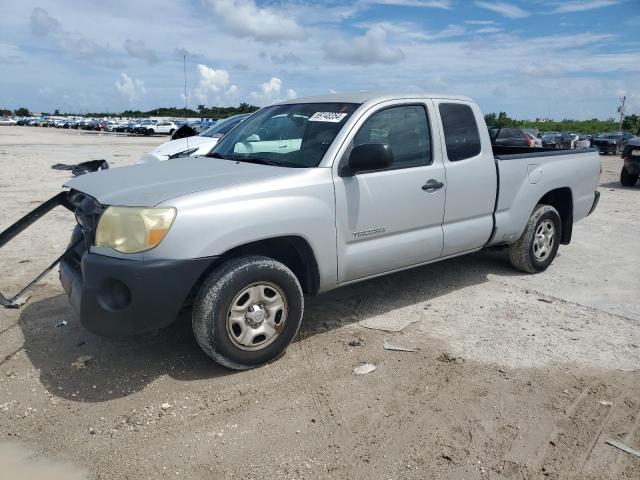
(515, 376)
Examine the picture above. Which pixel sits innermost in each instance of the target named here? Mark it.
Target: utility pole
(621, 110)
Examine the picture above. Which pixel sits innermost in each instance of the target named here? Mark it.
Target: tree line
(630, 123)
(202, 112)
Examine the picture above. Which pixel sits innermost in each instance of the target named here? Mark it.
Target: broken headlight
(133, 229)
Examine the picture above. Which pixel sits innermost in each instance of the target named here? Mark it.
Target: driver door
(391, 219)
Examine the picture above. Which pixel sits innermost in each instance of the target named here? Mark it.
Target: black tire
(213, 302)
(522, 253)
(171, 131)
(626, 179)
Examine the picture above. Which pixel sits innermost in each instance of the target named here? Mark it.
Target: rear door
(388, 219)
(471, 176)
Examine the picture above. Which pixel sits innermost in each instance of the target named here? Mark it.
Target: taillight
(529, 141)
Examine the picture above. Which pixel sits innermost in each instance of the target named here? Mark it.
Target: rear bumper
(115, 297)
(596, 199)
(606, 148)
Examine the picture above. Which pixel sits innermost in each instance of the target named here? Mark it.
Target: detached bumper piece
(62, 199)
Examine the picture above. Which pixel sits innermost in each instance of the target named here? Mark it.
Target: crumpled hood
(146, 185)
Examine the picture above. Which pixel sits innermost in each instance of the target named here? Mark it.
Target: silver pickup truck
(303, 197)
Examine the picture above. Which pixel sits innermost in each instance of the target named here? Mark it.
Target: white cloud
(285, 58)
(138, 49)
(504, 9)
(212, 79)
(369, 49)
(272, 92)
(130, 88)
(405, 31)
(10, 54)
(488, 30)
(479, 22)
(443, 4)
(214, 85)
(245, 19)
(74, 44)
(577, 6)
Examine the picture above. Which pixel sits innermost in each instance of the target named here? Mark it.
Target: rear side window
(460, 131)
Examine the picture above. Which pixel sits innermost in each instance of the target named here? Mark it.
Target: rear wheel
(626, 179)
(247, 312)
(537, 247)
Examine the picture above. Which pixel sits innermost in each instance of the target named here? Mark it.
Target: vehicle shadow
(618, 186)
(121, 367)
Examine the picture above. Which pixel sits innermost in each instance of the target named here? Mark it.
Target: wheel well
(562, 200)
(294, 252)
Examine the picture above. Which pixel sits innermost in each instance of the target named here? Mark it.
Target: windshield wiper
(217, 155)
(259, 160)
(240, 158)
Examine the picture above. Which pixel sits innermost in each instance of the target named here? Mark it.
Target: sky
(529, 58)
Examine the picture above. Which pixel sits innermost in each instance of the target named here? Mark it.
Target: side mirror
(368, 157)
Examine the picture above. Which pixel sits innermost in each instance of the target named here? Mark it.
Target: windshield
(296, 135)
(222, 127)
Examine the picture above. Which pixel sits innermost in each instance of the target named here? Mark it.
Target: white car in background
(162, 127)
(8, 121)
(196, 145)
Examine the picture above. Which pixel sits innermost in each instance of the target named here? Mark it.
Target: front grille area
(87, 211)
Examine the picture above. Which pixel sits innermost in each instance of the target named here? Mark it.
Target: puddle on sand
(19, 463)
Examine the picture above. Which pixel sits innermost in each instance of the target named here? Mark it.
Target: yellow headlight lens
(133, 229)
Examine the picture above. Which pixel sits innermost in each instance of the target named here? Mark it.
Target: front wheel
(247, 312)
(626, 179)
(537, 247)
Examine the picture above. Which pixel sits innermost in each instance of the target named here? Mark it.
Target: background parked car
(631, 167)
(8, 121)
(584, 140)
(568, 140)
(612, 142)
(552, 140)
(196, 145)
(510, 137)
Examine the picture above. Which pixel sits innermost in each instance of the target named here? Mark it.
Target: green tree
(631, 123)
(4, 112)
(22, 112)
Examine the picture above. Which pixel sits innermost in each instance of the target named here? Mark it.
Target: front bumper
(118, 297)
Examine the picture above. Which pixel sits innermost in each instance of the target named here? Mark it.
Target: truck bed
(526, 175)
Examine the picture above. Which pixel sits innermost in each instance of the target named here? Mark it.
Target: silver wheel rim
(544, 240)
(256, 316)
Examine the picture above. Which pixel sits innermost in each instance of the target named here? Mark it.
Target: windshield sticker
(332, 117)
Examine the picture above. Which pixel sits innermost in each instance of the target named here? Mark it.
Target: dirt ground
(515, 376)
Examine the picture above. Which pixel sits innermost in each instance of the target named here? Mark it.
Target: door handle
(432, 185)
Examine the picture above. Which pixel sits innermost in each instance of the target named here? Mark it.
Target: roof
(362, 97)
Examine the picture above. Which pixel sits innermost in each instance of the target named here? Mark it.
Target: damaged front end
(87, 211)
